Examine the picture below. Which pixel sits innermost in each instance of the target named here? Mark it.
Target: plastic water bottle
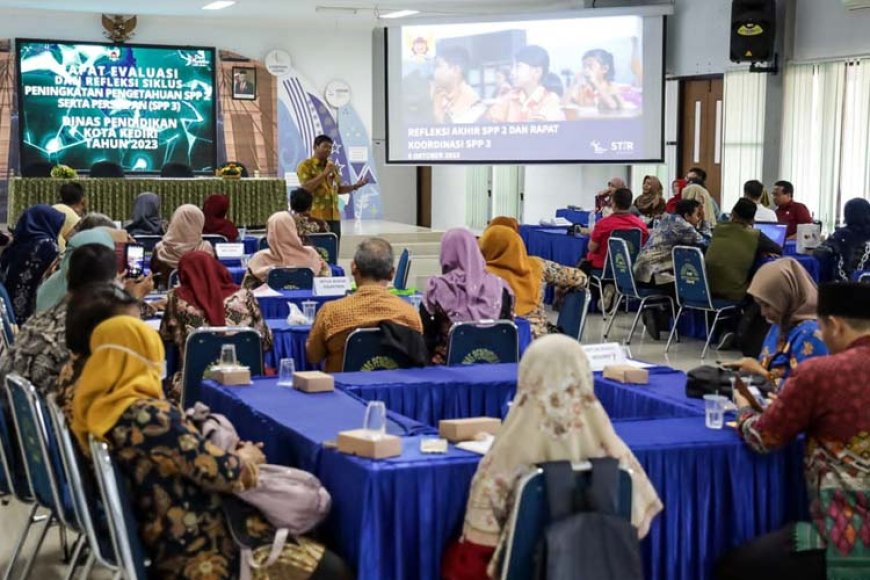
(591, 221)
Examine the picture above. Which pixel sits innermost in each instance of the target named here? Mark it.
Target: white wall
(825, 29)
(698, 37)
(551, 187)
(448, 196)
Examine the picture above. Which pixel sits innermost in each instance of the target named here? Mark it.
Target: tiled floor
(685, 355)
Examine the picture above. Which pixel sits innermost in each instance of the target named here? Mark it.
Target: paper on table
(479, 447)
(264, 291)
(153, 323)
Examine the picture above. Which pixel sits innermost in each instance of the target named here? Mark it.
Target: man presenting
(788, 211)
(321, 177)
(828, 399)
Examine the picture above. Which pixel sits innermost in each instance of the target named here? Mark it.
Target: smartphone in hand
(135, 259)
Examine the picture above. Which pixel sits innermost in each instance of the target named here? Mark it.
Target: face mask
(159, 366)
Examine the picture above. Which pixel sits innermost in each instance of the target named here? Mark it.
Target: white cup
(375, 422)
(714, 411)
(285, 372)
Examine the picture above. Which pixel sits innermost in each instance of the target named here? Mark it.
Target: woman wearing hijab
(503, 220)
(651, 203)
(183, 235)
(701, 195)
(285, 251)
(506, 257)
(554, 417)
(603, 201)
(146, 216)
(54, 289)
(464, 292)
(175, 475)
(677, 187)
(847, 250)
(215, 210)
(787, 297)
(30, 255)
(207, 296)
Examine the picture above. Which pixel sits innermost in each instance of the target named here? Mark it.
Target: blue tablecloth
(276, 306)
(554, 244)
(664, 396)
(393, 518)
(251, 243)
(575, 216)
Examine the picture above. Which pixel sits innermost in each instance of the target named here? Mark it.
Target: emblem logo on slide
(599, 150)
(197, 58)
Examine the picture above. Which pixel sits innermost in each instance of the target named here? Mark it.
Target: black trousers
(335, 227)
(771, 557)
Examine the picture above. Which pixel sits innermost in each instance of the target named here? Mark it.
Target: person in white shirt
(753, 190)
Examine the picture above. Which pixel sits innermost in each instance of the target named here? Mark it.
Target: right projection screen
(562, 90)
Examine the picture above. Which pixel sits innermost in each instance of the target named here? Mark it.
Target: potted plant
(230, 171)
(63, 172)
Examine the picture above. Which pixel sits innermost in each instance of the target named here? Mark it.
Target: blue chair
(147, 241)
(203, 348)
(326, 241)
(573, 312)
(263, 244)
(483, 342)
(118, 505)
(173, 279)
(42, 464)
(290, 279)
(864, 278)
(598, 278)
(531, 516)
(214, 239)
(400, 282)
(8, 314)
(627, 289)
(693, 292)
(363, 351)
(85, 505)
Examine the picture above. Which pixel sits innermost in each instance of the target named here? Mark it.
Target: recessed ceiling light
(399, 14)
(219, 5)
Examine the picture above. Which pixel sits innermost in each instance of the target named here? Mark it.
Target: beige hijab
(285, 248)
(555, 416)
(787, 287)
(183, 235)
(702, 196)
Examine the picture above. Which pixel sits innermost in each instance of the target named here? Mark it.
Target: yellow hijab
(70, 220)
(124, 367)
(506, 257)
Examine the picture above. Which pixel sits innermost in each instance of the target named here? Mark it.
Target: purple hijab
(465, 291)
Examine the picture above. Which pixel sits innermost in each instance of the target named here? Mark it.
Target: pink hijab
(465, 291)
(285, 248)
(183, 235)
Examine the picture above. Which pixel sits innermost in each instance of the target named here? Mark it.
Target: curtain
(812, 136)
(507, 185)
(477, 198)
(855, 164)
(743, 136)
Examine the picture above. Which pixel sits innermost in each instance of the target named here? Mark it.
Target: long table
(392, 519)
(252, 201)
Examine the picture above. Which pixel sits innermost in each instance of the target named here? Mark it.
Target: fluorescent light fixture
(219, 5)
(336, 10)
(399, 14)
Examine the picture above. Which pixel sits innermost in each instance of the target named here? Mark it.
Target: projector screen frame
(86, 171)
(644, 12)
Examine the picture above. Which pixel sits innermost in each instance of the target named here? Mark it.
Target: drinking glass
(228, 356)
(415, 300)
(309, 309)
(243, 232)
(375, 422)
(714, 412)
(285, 372)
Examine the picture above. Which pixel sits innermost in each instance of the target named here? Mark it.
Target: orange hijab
(510, 222)
(506, 257)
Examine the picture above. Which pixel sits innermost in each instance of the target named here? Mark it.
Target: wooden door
(424, 196)
(701, 129)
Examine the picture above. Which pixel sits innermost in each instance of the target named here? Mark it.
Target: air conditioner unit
(856, 4)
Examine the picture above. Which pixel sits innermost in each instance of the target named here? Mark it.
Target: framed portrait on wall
(244, 83)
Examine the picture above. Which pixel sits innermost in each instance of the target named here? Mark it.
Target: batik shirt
(780, 355)
(828, 399)
(563, 278)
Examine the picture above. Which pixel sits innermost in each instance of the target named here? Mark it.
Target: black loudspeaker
(753, 30)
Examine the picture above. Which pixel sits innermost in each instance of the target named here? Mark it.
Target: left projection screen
(139, 106)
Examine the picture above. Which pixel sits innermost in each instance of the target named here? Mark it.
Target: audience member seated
(30, 255)
(207, 296)
(847, 250)
(285, 251)
(787, 297)
(183, 235)
(734, 250)
(464, 292)
(106, 169)
(93, 220)
(177, 170)
(504, 220)
(73, 204)
(827, 399)
(753, 190)
(677, 187)
(528, 276)
(789, 211)
(371, 304)
(651, 203)
(621, 219)
(146, 216)
(654, 266)
(702, 196)
(555, 417)
(54, 289)
(604, 198)
(87, 307)
(300, 204)
(215, 211)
